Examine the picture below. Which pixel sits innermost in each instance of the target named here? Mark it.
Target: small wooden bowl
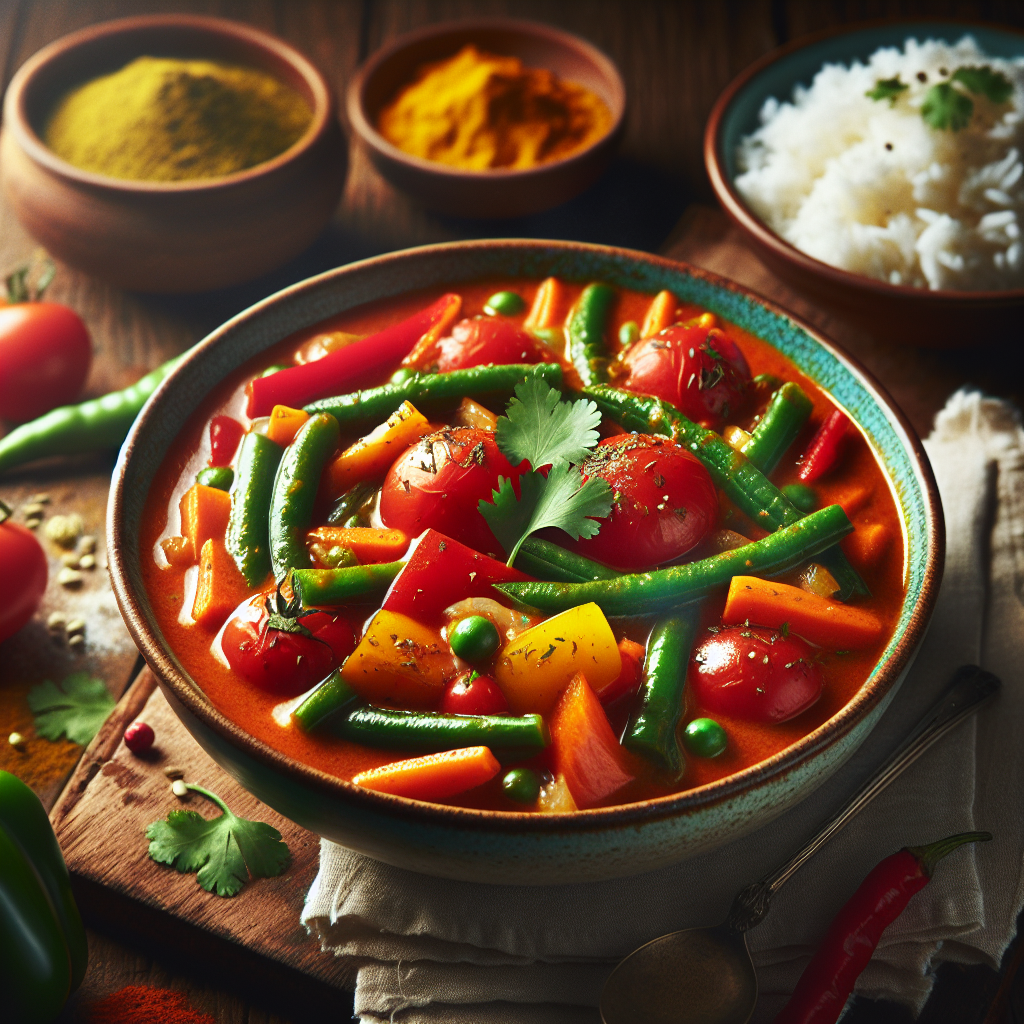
(183, 236)
(486, 193)
(898, 313)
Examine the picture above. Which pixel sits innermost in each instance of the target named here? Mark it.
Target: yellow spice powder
(165, 119)
(480, 111)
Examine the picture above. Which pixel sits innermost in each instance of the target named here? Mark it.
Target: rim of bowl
(324, 104)
(367, 131)
(742, 215)
(165, 666)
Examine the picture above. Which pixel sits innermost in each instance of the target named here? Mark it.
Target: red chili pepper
(225, 436)
(827, 981)
(349, 367)
(823, 451)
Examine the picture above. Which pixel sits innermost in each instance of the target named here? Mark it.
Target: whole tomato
(755, 673)
(271, 643)
(665, 503)
(700, 370)
(45, 354)
(481, 340)
(23, 570)
(438, 483)
(473, 694)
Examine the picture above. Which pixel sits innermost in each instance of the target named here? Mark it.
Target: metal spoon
(705, 975)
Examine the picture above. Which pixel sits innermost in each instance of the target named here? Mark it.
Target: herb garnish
(544, 430)
(225, 851)
(77, 708)
(887, 89)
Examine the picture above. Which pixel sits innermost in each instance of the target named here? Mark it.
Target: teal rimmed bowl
(510, 847)
(898, 313)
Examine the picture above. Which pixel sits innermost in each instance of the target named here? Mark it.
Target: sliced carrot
(423, 352)
(824, 622)
(204, 514)
(366, 543)
(548, 305)
(177, 550)
(584, 747)
(660, 314)
(867, 544)
(435, 776)
(472, 414)
(221, 587)
(371, 456)
(284, 424)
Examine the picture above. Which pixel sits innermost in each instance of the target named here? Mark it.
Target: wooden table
(675, 57)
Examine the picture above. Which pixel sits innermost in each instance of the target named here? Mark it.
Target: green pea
(221, 477)
(505, 303)
(629, 333)
(553, 336)
(270, 370)
(805, 498)
(521, 785)
(339, 557)
(705, 737)
(354, 523)
(474, 639)
(402, 375)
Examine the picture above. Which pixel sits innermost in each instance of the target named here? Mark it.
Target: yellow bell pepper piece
(399, 663)
(535, 667)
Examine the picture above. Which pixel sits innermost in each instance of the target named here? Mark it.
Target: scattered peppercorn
(68, 577)
(138, 737)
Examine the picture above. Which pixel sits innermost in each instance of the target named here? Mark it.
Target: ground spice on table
(144, 1004)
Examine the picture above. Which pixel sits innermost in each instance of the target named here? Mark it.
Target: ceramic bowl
(901, 314)
(490, 846)
(170, 236)
(486, 193)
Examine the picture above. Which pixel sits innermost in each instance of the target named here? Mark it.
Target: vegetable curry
(525, 546)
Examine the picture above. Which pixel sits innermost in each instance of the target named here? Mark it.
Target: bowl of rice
(881, 170)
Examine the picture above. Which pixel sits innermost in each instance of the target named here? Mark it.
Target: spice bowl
(492, 193)
(898, 314)
(177, 236)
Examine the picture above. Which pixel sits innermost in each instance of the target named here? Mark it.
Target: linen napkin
(425, 950)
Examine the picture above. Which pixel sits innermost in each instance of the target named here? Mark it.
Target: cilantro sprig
(225, 852)
(887, 89)
(76, 709)
(545, 431)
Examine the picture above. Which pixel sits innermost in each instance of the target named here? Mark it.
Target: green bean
(248, 534)
(743, 483)
(782, 421)
(295, 487)
(429, 731)
(375, 404)
(548, 561)
(651, 731)
(319, 587)
(352, 501)
(588, 349)
(90, 426)
(666, 589)
(332, 696)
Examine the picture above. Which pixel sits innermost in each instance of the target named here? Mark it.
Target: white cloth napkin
(425, 950)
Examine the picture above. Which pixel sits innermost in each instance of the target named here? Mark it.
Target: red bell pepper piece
(441, 571)
(225, 435)
(584, 747)
(350, 367)
(823, 451)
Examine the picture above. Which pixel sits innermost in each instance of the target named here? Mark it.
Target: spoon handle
(971, 687)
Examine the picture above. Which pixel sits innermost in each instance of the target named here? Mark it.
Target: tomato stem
(5, 512)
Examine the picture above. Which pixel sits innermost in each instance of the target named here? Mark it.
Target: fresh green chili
(588, 348)
(248, 534)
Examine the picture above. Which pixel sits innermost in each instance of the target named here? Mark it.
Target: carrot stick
(433, 777)
(660, 314)
(284, 424)
(366, 543)
(827, 623)
(547, 304)
(204, 514)
(221, 587)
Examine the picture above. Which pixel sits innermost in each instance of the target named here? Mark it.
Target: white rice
(940, 209)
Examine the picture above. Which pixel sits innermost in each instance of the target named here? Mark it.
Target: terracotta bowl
(507, 847)
(899, 313)
(170, 236)
(486, 193)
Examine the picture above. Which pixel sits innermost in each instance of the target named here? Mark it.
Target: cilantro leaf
(984, 81)
(559, 499)
(945, 107)
(225, 851)
(887, 89)
(77, 708)
(539, 427)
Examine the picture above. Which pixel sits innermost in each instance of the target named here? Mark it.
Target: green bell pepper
(43, 952)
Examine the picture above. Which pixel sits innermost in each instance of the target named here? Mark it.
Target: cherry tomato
(438, 483)
(45, 354)
(473, 694)
(285, 652)
(699, 370)
(482, 340)
(665, 502)
(756, 674)
(23, 570)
